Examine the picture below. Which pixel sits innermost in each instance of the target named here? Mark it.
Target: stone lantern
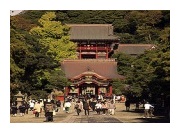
(19, 98)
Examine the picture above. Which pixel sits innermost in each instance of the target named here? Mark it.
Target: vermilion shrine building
(94, 70)
(94, 41)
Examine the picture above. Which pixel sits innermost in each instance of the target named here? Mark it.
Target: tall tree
(35, 57)
(54, 35)
(132, 26)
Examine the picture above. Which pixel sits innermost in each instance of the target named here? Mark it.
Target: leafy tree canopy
(35, 56)
(54, 35)
(132, 26)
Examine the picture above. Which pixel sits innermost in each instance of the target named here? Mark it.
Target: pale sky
(15, 12)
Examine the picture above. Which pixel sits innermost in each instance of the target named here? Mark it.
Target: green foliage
(39, 94)
(118, 86)
(35, 57)
(18, 52)
(132, 26)
(160, 83)
(54, 35)
(57, 80)
(148, 74)
(125, 63)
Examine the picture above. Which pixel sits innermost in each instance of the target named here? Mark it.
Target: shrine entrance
(88, 56)
(91, 89)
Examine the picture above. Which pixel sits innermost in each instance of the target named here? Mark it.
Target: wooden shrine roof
(105, 67)
(134, 49)
(91, 32)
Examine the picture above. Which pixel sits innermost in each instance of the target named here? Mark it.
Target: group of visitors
(106, 107)
(23, 109)
(34, 106)
(49, 107)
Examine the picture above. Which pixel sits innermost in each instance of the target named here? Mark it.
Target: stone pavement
(121, 116)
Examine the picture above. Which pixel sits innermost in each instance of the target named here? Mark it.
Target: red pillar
(78, 90)
(98, 90)
(96, 52)
(106, 51)
(80, 52)
(80, 55)
(110, 90)
(67, 91)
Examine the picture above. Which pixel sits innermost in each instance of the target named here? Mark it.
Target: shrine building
(94, 69)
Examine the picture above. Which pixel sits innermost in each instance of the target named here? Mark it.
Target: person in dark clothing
(137, 105)
(58, 104)
(27, 107)
(22, 109)
(14, 109)
(93, 103)
(48, 112)
(127, 104)
(86, 107)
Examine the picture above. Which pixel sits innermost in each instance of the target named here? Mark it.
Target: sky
(15, 12)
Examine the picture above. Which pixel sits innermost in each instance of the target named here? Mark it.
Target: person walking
(67, 106)
(31, 104)
(98, 107)
(48, 112)
(111, 108)
(151, 110)
(58, 104)
(22, 109)
(147, 107)
(37, 109)
(86, 107)
(93, 103)
(14, 109)
(78, 106)
(27, 107)
(104, 107)
(127, 104)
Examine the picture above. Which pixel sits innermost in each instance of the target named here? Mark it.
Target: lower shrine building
(93, 76)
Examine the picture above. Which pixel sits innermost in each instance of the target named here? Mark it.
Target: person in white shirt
(98, 107)
(67, 106)
(118, 98)
(147, 109)
(111, 108)
(31, 104)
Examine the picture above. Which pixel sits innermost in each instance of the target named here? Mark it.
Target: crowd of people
(107, 107)
(50, 107)
(100, 105)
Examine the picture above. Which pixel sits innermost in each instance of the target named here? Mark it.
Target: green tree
(18, 53)
(119, 87)
(35, 64)
(124, 63)
(160, 82)
(148, 75)
(132, 26)
(151, 74)
(54, 35)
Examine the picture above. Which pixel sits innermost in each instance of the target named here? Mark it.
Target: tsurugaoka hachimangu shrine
(93, 71)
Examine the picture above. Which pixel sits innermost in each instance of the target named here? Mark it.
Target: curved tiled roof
(134, 49)
(106, 68)
(91, 32)
(89, 73)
